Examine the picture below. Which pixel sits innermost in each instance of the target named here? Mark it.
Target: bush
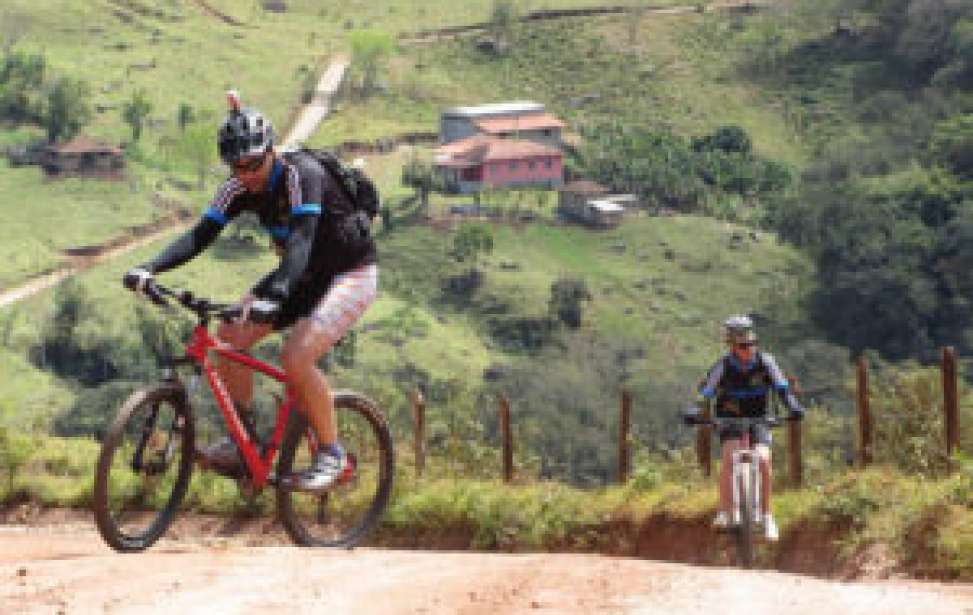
(909, 430)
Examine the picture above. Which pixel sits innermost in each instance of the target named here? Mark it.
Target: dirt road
(315, 111)
(68, 570)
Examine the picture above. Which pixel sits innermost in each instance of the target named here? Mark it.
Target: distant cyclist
(740, 381)
(324, 282)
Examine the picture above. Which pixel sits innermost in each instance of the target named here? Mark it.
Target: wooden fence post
(950, 400)
(795, 462)
(419, 422)
(795, 454)
(864, 415)
(624, 422)
(506, 440)
(703, 444)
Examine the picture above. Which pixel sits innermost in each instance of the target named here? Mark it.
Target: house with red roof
(486, 161)
(504, 145)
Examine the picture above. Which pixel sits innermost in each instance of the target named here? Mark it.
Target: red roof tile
(535, 121)
(484, 148)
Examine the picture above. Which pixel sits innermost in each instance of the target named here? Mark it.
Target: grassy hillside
(178, 53)
(676, 71)
(658, 286)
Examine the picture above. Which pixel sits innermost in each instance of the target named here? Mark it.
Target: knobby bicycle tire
(110, 525)
(346, 404)
(745, 529)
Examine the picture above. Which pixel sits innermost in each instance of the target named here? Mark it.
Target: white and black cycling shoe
(323, 474)
(771, 532)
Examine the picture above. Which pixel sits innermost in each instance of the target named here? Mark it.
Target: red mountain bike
(147, 454)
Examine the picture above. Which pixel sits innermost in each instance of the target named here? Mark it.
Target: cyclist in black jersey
(741, 381)
(323, 284)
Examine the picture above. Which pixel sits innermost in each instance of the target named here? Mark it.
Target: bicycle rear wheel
(745, 529)
(343, 515)
(144, 467)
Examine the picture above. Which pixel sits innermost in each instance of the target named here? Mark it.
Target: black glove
(796, 414)
(137, 279)
(263, 311)
(691, 416)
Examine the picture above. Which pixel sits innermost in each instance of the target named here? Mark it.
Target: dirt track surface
(69, 570)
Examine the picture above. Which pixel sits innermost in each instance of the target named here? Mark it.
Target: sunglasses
(248, 165)
(745, 345)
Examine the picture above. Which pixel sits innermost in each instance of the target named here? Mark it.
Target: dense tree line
(704, 173)
(888, 215)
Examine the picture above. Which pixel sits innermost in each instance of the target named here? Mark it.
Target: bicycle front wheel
(144, 468)
(745, 529)
(343, 515)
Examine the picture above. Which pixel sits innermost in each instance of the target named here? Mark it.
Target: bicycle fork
(745, 473)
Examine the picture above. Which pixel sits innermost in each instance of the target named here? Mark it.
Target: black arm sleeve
(186, 247)
(296, 256)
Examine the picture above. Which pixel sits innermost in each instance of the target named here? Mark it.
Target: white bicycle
(745, 517)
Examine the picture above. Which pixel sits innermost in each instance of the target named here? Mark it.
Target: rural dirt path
(307, 120)
(315, 111)
(67, 569)
(437, 34)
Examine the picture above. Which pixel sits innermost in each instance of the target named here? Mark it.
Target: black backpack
(358, 187)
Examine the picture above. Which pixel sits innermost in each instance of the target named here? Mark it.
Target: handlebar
(744, 422)
(203, 308)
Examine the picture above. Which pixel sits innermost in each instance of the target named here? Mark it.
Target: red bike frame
(200, 345)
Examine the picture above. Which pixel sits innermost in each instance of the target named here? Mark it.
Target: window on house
(531, 165)
(547, 132)
(513, 166)
(548, 163)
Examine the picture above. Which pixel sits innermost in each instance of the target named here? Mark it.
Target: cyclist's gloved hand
(137, 279)
(796, 409)
(690, 416)
(263, 311)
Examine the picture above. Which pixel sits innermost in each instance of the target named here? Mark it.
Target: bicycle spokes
(143, 471)
(340, 516)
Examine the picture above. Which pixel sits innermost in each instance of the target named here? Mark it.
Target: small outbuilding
(83, 156)
(590, 203)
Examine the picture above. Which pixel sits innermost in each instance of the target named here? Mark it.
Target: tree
(471, 241)
(135, 111)
(567, 295)
(421, 176)
(185, 116)
(952, 143)
(21, 80)
(370, 49)
(67, 109)
(503, 18)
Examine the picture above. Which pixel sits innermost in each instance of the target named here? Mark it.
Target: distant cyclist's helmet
(739, 330)
(245, 132)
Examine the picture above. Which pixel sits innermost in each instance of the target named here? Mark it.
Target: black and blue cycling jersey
(742, 389)
(294, 210)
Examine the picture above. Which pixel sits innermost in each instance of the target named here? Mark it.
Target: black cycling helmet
(245, 132)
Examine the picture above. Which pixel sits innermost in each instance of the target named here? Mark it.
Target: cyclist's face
(253, 171)
(744, 350)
